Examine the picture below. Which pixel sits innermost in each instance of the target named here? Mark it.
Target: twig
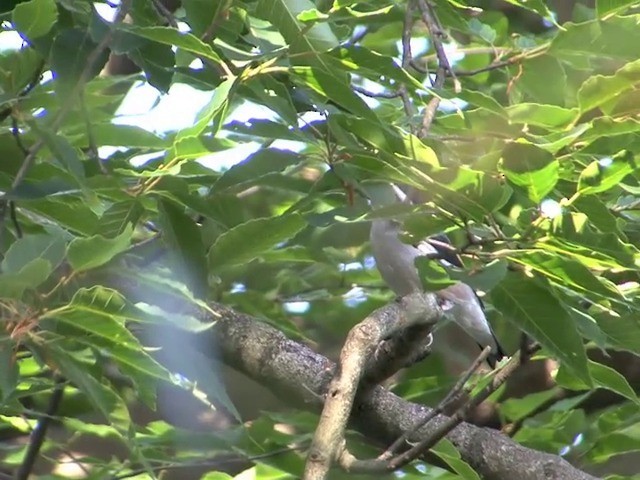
(223, 8)
(367, 93)
(15, 132)
(212, 463)
(488, 68)
(93, 149)
(39, 434)
(165, 13)
(14, 219)
(452, 396)
(444, 67)
(407, 25)
(500, 377)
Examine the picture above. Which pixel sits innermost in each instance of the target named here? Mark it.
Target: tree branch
(266, 355)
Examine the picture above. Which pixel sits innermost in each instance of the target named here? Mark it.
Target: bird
(395, 261)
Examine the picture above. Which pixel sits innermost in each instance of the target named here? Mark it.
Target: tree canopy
(140, 262)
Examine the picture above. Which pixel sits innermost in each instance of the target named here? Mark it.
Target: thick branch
(265, 354)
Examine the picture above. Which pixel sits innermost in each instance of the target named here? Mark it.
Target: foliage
(535, 117)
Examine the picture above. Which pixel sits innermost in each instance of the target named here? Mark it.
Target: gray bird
(396, 262)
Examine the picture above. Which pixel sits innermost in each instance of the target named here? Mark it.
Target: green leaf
(13, 285)
(214, 111)
(621, 331)
(547, 116)
(102, 313)
(609, 7)
(568, 273)
(534, 80)
(531, 307)
(333, 87)
(515, 409)
(126, 136)
(70, 54)
(283, 14)
(24, 250)
(119, 216)
(603, 377)
(261, 163)
(600, 89)
(63, 151)
(35, 18)
(601, 175)
(92, 252)
(432, 274)
(248, 240)
(573, 236)
(173, 37)
(532, 168)
(451, 456)
(184, 239)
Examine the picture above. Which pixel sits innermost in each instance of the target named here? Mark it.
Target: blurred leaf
(45, 246)
(607, 7)
(183, 237)
(172, 37)
(9, 374)
(119, 216)
(92, 252)
(333, 87)
(568, 273)
(31, 275)
(35, 18)
(126, 136)
(548, 116)
(70, 53)
(102, 396)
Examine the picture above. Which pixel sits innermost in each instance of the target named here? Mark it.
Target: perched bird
(396, 262)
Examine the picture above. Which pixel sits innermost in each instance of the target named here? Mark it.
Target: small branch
(407, 25)
(367, 93)
(213, 463)
(453, 395)
(39, 434)
(488, 68)
(444, 67)
(452, 422)
(165, 13)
